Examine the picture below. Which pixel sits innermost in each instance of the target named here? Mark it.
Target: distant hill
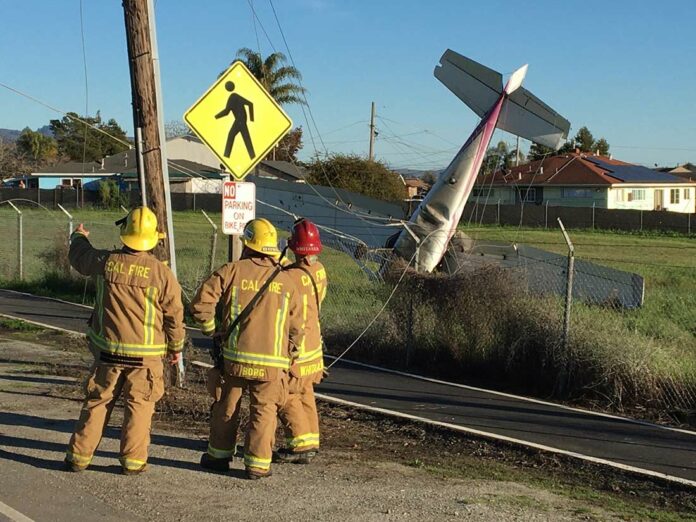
(413, 173)
(13, 134)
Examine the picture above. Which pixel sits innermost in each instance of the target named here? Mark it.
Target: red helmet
(304, 239)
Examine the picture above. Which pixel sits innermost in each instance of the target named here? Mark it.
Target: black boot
(214, 464)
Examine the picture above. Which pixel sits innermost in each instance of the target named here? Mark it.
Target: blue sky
(625, 69)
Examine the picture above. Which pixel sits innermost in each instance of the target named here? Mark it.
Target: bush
(351, 172)
(110, 195)
(483, 326)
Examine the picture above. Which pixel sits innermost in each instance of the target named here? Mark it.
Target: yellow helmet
(139, 229)
(260, 235)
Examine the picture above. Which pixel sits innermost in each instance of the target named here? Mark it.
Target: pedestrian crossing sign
(238, 120)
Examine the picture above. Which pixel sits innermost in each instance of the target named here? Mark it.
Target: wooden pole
(371, 155)
(145, 111)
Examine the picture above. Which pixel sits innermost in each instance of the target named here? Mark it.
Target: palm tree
(275, 77)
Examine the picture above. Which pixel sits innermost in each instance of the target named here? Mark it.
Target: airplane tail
(522, 113)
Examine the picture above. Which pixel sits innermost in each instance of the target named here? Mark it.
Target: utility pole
(144, 68)
(517, 153)
(371, 155)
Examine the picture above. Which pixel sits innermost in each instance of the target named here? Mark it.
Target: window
(674, 196)
(620, 195)
(577, 192)
(638, 194)
(687, 194)
(528, 195)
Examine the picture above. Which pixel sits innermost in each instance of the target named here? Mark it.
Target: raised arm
(83, 257)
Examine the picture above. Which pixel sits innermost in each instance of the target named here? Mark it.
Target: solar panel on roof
(636, 173)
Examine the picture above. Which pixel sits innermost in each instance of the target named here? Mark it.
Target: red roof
(566, 169)
(576, 169)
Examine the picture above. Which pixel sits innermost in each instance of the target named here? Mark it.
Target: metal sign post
(20, 243)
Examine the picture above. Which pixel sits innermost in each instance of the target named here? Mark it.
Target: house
(191, 148)
(85, 176)
(188, 158)
(686, 171)
(586, 180)
(415, 187)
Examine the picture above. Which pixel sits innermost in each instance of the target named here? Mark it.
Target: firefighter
(258, 334)
(138, 318)
(299, 413)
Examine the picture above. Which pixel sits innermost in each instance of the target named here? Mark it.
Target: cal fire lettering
(255, 285)
(133, 269)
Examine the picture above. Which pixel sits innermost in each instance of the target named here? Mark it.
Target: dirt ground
(370, 467)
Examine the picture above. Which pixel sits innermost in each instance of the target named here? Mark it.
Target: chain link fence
(496, 312)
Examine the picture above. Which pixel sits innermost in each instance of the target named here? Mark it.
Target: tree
(288, 146)
(176, 129)
(75, 138)
(498, 157)
(278, 79)
(539, 152)
(36, 147)
(12, 163)
(429, 177)
(601, 147)
(584, 140)
(354, 173)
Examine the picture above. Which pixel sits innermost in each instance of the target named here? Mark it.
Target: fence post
(70, 221)
(213, 241)
(641, 220)
(593, 214)
(20, 242)
(498, 215)
(568, 302)
(546, 215)
(688, 223)
(194, 201)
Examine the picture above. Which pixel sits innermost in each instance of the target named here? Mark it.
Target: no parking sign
(238, 206)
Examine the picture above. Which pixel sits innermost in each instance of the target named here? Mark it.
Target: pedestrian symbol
(238, 120)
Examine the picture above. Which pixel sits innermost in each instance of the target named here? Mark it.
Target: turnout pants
(141, 388)
(265, 398)
(299, 416)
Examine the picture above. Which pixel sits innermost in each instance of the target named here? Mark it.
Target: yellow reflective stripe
(302, 441)
(150, 315)
(100, 302)
(252, 461)
(207, 326)
(304, 307)
(118, 347)
(220, 453)
(308, 356)
(80, 460)
(281, 316)
(175, 345)
(256, 359)
(132, 464)
(235, 310)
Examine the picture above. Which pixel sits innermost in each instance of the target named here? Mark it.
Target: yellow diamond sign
(238, 120)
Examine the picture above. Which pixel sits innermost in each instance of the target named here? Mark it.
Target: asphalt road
(623, 442)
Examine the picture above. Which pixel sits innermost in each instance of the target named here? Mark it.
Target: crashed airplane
(512, 108)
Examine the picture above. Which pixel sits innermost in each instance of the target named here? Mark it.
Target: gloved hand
(173, 357)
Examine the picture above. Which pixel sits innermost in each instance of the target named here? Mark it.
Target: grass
(18, 326)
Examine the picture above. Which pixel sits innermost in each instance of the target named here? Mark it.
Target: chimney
(125, 160)
(519, 176)
(577, 150)
(541, 169)
(102, 164)
(610, 155)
